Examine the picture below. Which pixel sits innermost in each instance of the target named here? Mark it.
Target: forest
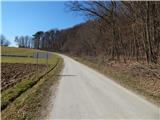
(118, 31)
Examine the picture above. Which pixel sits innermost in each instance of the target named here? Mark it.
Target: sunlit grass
(51, 60)
(17, 51)
(27, 52)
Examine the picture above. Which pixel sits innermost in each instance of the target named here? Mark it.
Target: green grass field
(17, 51)
(24, 51)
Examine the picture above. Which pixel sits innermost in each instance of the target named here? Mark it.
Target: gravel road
(84, 93)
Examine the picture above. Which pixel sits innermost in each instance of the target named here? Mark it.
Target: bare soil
(11, 73)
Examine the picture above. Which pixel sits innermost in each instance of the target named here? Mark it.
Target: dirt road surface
(86, 94)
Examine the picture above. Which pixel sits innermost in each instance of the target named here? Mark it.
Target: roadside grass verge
(29, 104)
(12, 93)
(135, 77)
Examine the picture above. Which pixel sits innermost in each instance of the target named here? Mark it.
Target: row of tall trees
(24, 41)
(45, 40)
(131, 29)
(40, 40)
(117, 30)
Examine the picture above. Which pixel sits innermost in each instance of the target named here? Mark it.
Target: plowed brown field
(11, 73)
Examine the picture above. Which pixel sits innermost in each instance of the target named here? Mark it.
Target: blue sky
(26, 18)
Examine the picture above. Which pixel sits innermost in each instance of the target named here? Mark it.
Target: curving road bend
(86, 94)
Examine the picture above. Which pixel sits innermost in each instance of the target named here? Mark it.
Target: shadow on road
(66, 75)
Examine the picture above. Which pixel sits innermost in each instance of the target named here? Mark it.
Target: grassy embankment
(140, 78)
(27, 96)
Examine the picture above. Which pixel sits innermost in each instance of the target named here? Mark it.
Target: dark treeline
(118, 31)
(24, 41)
(45, 40)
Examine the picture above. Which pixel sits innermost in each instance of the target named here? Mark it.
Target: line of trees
(117, 30)
(133, 27)
(24, 41)
(45, 40)
(40, 40)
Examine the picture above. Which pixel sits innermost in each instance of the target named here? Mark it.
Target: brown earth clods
(11, 73)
